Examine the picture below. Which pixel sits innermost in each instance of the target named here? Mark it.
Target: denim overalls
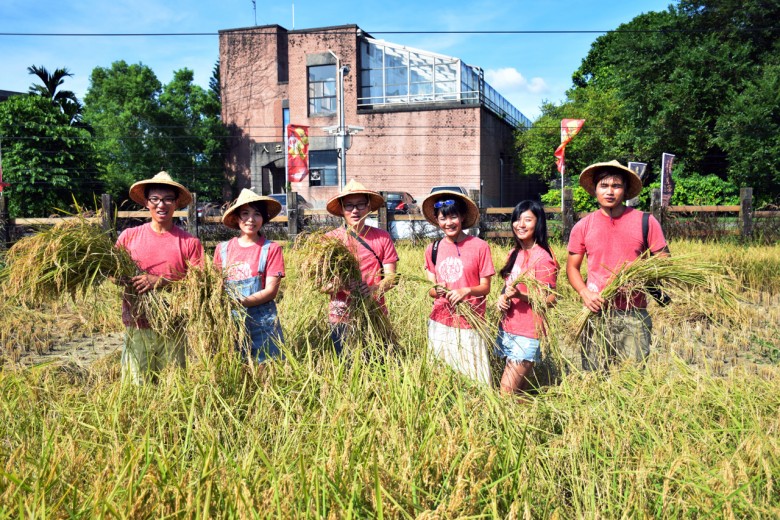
(262, 322)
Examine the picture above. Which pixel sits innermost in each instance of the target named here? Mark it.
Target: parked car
(401, 203)
(282, 198)
(459, 189)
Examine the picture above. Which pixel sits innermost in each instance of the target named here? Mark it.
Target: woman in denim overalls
(255, 268)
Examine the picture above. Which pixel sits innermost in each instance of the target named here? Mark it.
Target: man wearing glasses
(163, 253)
(372, 247)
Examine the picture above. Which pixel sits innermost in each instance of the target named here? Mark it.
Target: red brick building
(423, 119)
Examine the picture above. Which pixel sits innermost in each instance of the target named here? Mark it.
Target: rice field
(695, 433)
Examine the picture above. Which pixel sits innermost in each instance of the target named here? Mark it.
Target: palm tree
(65, 99)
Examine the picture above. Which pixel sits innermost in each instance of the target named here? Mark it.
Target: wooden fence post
(292, 215)
(746, 212)
(567, 214)
(655, 204)
(192, 216)
(382, 219)
(5, 224)
(107, 214)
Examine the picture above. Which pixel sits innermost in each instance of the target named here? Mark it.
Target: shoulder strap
(365, 244)
(645, 230)
(263, 257)
(263, 261)
(434, 252)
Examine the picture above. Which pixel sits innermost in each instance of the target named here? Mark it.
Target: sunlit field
(694, 433)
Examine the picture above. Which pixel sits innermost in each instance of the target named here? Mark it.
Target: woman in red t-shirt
(254, 267)
(461, 268)
(518, 337)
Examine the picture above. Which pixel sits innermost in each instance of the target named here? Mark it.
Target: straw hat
(272, 206)
(471, 217)
(353, 187)
(634, 182)
(137, 190)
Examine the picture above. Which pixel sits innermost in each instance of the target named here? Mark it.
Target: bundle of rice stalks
(71, 257)
(649, 272)
(537, 293)
(200, 309)
(330, 264)
(485, 326)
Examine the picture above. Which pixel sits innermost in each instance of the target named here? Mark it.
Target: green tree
(749, 132)
(46, 160)
(142, 127)
(694, 80)
(65, 99)
(122, 106)
(195, 137)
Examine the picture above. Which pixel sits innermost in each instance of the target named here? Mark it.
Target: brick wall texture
(409, 148)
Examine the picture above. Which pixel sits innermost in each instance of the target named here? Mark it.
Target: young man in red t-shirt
(373, 248)
(611, 237)
(163, 253)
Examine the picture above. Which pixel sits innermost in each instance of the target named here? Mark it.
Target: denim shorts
(517, 348)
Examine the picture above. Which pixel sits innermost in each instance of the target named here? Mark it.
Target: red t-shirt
(457, 266)
(242, 261)
(537, 263)
(610, 243)
(370, 269)
(166, 254)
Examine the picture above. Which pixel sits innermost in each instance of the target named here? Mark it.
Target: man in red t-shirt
(163, 253)
(373, 248)
(612, 237)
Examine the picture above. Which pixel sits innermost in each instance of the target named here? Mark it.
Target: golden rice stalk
(537, 293)
(72, 257)
(485, 326)
(680, 272)
(330, 263)
(198, 308)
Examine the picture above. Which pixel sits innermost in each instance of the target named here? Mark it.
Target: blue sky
(526, 68)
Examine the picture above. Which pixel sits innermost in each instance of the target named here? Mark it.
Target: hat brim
(633, 189)
(375, 201)
(470, 219)
(230, 218)
(183, 199)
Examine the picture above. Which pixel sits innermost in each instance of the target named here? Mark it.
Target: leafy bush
(583, 202)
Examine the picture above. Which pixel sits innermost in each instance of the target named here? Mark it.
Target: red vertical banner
(297, 152)
(569, 128)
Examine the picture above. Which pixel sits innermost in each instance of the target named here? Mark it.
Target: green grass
(693, 434)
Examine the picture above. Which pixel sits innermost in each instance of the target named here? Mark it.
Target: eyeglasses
(442, 203)
(360, 206)
(165, 200)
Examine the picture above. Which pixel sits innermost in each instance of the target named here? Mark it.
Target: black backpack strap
(645, 230)
(365, 244)
(434, 252)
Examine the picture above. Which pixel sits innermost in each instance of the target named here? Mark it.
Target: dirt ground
(83, 350)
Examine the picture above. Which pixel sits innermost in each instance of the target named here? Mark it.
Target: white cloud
(509, 80)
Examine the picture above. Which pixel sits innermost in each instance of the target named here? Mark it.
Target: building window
(323, 168)
(322, 90)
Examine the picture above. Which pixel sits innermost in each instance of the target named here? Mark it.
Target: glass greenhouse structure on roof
(394, 74)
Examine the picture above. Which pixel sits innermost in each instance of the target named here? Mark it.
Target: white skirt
(462, 349)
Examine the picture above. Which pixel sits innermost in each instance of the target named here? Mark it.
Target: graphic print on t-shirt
(240, 271)
(450, 269)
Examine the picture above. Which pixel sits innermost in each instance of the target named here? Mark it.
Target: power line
(249, 33)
